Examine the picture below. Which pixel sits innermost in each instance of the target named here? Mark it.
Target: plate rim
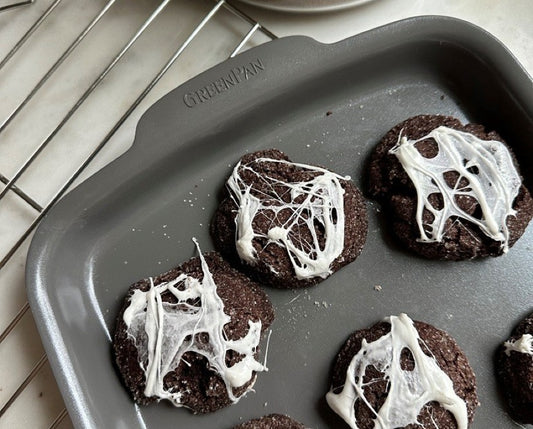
(346, 4)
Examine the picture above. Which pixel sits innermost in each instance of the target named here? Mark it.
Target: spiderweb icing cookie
(515, 371)
(452, 191)
(191, 335)
(289, 224)
(402, 374)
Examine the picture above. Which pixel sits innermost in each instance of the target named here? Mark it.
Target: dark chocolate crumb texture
(403, 374)
(453, 191)
(288, 224)
(191, 335)
(272, 421)
(515, 371)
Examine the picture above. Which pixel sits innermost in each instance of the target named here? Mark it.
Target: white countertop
(508, 20)
(40, 402)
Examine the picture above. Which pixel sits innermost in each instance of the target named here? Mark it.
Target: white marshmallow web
(311, 203)
(193, 322)
(524, 344)
(409, 390)
(486, 167)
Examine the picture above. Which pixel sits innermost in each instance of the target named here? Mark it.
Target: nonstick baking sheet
(321, 104)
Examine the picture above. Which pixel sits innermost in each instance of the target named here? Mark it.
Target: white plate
(305, 5)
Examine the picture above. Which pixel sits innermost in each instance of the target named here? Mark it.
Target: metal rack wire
(12, 185)
(15, 5)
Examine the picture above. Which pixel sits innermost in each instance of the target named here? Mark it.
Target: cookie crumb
(294, 299)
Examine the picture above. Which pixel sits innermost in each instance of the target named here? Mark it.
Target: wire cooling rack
(67, 110)
(15, 5)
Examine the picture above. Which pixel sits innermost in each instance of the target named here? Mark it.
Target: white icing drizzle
(495, 186)
(163, 332)
(522, 345)
(408, 392)
(316, 201)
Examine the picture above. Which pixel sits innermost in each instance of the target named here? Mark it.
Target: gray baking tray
(321, 104)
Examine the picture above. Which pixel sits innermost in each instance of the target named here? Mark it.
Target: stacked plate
(305, 5)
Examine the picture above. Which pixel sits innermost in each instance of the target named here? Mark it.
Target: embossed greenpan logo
(224, 83)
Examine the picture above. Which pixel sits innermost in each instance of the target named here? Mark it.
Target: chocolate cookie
(405, 374)
(515, 371)
(452, 191)
(191, 335)
(272, 421)
(290, 225)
